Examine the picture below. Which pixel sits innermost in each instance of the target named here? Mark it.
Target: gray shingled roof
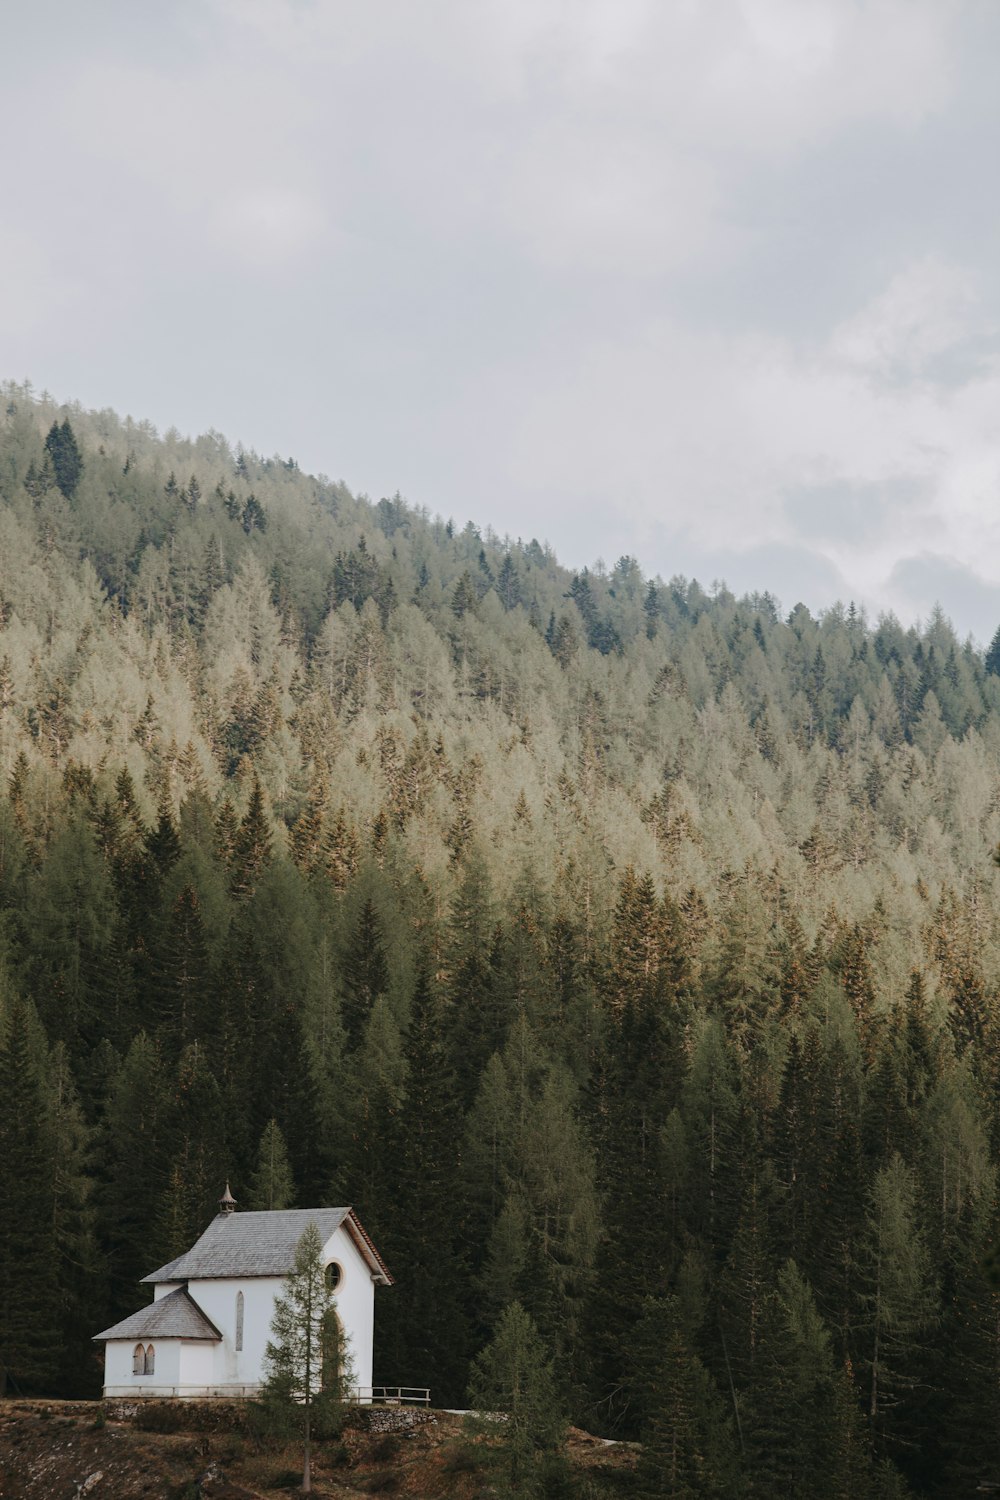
(249, 1244)
(175, 1316)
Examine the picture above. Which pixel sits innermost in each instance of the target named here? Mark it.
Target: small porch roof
(175, 1316)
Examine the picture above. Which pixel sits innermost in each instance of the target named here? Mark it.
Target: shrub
(161, 1416)
(383, 1482)
(270, 1424)
(281, 1477)
(387, 1448)
(465, 1458)
(337, 1455)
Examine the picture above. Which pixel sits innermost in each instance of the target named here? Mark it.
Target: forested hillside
(616, 948)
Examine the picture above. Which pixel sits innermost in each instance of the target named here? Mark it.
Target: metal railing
(391, 1395)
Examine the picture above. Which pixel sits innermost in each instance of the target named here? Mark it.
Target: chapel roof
(175, 1316)
(263, 1244)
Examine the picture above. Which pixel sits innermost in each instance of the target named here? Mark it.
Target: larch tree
(305, 1361)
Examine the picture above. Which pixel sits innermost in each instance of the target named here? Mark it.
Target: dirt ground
(63, 1450)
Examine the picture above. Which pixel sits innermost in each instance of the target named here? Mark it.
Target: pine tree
(550, 1179)
(369, 1157)
(836, 1227)
(966, 1376)
(514, 1375)
(899, 1308)
(251, 846)
(464, 598)
(134, 1153)
(195, 1138)
(710, 1111)
(423, 1327)
(29, 1285)
(508, 583)
(651, 609)
(272, 1185)
(365, 973)
(63, 450)
(477, 1028)
(72, 1219)
(69, 922)
(802, 1429)
(992, 660)
(179, 977)
(688, 1450)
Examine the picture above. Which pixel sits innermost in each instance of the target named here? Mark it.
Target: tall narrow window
(138, 1360)
(150, 1360)
(239, 1320)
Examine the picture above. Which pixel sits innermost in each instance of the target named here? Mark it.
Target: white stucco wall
(118, 1377)
(198, 1365)
(355, 1302)
(217, 1300)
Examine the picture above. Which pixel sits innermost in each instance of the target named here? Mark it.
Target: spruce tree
(272, 1185)
(365, 973)
(514, 1376)
(802, 1432)
(252, 846)
(688, 1449)
(67, 463)
(898, 1310)
(423, 1327)
(992, 659)
(134, 1154)
(196, 1140)
(29, 1279)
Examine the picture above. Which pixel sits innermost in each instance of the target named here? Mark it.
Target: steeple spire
(227, 1202)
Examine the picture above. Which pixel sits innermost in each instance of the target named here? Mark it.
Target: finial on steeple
(227, 1202)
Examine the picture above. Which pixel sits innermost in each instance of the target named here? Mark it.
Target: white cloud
(927, 309)
(32, 293)
(269, 225)
(712, 443)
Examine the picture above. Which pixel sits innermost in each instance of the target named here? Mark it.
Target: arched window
(150, 1360)
(239, 1320)
(138, 1360)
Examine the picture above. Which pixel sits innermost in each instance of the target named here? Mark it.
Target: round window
(334, 1276)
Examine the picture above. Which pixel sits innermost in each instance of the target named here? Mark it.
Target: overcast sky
(712, 282)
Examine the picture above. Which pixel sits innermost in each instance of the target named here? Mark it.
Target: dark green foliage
(251, 846)
(423, 1323)
(803, 1430)
(195, 1126)
(135, 1161)
(688, 1444)
(992, 660)
(514, 1376)
(64, 453)
(29, 1286)
(364, 975)
(272, 1186)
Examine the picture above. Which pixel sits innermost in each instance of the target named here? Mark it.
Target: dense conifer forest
(620, 950)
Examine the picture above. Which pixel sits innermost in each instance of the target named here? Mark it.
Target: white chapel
(205, 1332)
